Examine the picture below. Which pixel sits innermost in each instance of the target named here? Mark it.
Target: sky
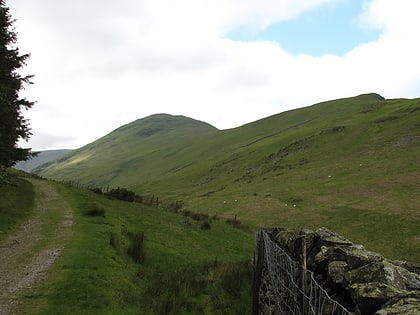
(100, 64)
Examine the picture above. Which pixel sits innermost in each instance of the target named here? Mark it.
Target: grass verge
(16, 202)
(179, 268)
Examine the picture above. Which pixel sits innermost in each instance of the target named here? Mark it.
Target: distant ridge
(43, 157)
(373, 96)
(165, 122)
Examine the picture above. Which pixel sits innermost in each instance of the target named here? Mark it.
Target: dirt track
(31, 248)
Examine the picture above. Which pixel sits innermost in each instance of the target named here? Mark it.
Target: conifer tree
(13, 126)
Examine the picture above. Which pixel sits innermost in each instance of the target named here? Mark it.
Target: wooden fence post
(303, 277)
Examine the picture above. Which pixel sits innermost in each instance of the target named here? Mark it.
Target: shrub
(175, 292)
(122, 194)
(234, 276)
(186, 222)
(197, 216)
(211, 288)
(97, 191)
(137, 248)
(95, 211)
(115, 241)
(205, 225)
(234, 222)
(4, 178)
(138, 199)
(186, 213)
(176, 207)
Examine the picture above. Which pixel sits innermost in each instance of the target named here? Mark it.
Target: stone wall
(362, 281)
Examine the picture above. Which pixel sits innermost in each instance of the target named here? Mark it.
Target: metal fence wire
(287, 289)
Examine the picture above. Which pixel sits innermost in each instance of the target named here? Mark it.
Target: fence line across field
(294, 290)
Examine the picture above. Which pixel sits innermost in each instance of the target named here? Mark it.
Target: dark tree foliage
(13, 126)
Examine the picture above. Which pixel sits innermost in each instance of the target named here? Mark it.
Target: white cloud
(394, 16)
(100, 64)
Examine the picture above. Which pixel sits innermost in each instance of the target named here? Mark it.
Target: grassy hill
(132, 153)
(349, 164)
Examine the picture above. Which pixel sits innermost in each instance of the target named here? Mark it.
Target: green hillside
(349, 164)
(132, 153)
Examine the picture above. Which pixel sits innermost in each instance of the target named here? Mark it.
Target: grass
(13, 207)
(183, 269)
(391, 227)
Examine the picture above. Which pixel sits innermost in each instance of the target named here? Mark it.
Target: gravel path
(30, 249)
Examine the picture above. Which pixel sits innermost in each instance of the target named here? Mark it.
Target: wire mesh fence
(288, 287)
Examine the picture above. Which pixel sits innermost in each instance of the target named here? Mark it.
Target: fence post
(295, 300)
(258, 266)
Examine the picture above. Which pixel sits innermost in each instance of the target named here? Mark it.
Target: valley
(338, 164)
(184, 244)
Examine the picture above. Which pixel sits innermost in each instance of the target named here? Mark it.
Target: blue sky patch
(329, 29)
